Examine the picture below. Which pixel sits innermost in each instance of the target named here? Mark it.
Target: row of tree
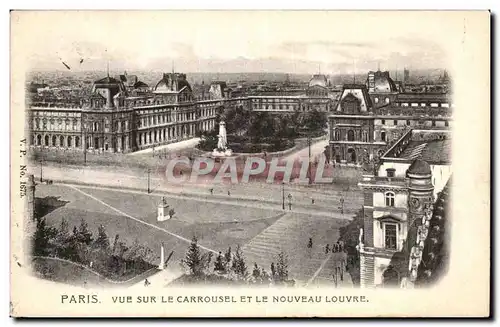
(257, 125)
(232, 267)
(81, 246)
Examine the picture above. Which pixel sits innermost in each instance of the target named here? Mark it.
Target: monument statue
(222, 150)
(222, 144)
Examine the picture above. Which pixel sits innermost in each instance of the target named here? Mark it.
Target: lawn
(217, 232)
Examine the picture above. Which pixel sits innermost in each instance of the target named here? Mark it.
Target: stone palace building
(123, 114)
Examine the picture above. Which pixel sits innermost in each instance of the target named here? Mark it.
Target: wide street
(261, 232)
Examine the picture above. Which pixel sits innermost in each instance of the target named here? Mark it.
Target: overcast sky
(289, 42)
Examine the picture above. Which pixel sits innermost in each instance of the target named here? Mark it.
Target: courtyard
(262, 232)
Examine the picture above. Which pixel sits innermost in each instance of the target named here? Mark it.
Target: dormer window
(390, 172)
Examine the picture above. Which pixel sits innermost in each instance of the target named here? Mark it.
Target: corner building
(398, 200)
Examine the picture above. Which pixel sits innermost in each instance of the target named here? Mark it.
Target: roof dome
(318, 80)
(383, 82)
(108, 83)
(140, 84)
(419, 167)
(172, 82)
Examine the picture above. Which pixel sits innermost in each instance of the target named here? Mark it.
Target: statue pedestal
(161, 266)
(223, 153)
(163, 211)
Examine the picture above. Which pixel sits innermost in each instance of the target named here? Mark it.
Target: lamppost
(283, 194)
(149, 189)
(41, 170)
(309, 164)
(84, 142)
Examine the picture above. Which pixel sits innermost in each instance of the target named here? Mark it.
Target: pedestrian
(335, 248)
(228, 193)
(327, 248)
(312, 201)
(211, 191)
(310, 244)
(146, 282)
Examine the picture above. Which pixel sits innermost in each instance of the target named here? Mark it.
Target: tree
(237, 120)
(65, 242)
(102, 240)
(273, 270)
(42, 238)
(281, 275)
(83, 235)
(315, 121)
(115, 242)
(63, 233)
(227, 259)
(256, 272)
(193, 260)
(239, 267)
(219, 266)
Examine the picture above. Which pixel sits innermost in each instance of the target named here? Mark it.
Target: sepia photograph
(305, 155)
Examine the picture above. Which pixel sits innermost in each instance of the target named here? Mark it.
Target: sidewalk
(186, 144)
(160, 279)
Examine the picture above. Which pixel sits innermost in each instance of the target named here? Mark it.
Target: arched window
(365, 136)
(46, 140)
(70, 141)
(382, 136)
(376, 100)
(350, 135)
(389, 199)
(387, 100)
(38, 140)
(337, 135)
(54, 140)
(390, 236)
(61, 141)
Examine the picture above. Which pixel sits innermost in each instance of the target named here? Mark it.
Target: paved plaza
(262, 232)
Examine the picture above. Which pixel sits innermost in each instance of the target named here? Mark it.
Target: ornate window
(390, 236)
(350, 135)
(389, 199)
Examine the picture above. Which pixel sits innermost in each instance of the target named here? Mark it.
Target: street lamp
(84, 142)
(41, 170)
(309, 165)
(149, 189)
(283, 194)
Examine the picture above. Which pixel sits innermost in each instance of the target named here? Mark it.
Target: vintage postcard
(250, 164)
